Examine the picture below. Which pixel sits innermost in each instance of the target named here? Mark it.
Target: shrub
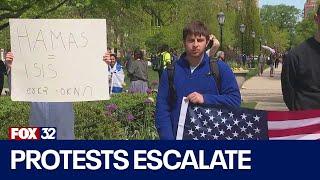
(135, 112)
(12, 114)
(133, 117)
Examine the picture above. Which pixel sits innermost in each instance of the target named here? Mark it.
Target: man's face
(195, 45)
(222, 55)
(112, 61)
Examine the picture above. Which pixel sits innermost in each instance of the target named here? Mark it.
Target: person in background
(300, 77)
(220, 55)
(244, 59)
(277, 60)
(212, 46)
(165, 59)
(50, 114)
(174, 55)
(128, 58)
(138, 73)
(117, 74)
(261, 62)
(272, 60)
(3, 69)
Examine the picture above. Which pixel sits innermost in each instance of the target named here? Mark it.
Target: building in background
(309, 7)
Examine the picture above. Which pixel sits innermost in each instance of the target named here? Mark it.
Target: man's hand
(9, 59)
(107, 58)
(215, 45)
(195, 98)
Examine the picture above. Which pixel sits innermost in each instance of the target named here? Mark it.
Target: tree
(31, 8)
(26, 9)
(252, 21)
(283, 17)
(304, 30)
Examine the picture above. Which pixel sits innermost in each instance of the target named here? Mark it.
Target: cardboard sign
(58, 60)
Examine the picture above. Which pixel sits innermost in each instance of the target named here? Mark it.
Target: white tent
(269, 49)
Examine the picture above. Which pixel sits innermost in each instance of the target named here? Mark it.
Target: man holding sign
(54, 114)
(50, 58)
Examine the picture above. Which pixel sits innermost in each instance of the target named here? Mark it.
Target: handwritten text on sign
(58, 60)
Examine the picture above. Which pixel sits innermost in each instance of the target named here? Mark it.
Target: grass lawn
(251, 73)
(152, 75)
(249, 105)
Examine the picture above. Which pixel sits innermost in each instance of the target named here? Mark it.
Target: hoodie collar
(184, 62)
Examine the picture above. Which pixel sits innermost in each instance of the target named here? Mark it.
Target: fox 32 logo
(32, 133)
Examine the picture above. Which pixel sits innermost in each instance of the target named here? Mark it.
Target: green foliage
(143, 23)
(252, 73)
(124, 116)
(92, 123)
(147, 24)
(279, 22)
(249, 105)
(282, 16)
(154, 42)
(305, 29)
(12, 114)
(93, 120)
(278, 39)
(136, 114)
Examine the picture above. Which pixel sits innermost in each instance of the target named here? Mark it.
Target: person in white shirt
(117, 74)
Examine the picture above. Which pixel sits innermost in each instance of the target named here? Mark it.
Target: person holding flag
(192, 77)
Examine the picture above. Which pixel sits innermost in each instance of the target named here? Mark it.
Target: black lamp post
(253, 34)
(221, 18)
(242, 29)
(260, 40)
(228, 4)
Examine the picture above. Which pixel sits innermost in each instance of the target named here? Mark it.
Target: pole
(242, 42)
(260, 46)
(221, 33)
(252, 55)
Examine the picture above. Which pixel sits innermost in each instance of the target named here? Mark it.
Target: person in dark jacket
(300, 77)
(2, 69)
(191, 80)
(138, 73)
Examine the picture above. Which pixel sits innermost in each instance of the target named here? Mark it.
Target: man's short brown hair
(196, 28)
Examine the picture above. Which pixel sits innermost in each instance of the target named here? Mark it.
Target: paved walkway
(265, 90)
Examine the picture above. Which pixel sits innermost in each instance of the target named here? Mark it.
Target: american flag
(200, 122)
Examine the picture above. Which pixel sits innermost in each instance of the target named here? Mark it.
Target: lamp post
(253, 34)
(242, 29)
(221, 18)
(260, 40)
(228, 4)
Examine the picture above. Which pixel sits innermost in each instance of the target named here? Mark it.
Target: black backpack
(214, 71)
(156, 62)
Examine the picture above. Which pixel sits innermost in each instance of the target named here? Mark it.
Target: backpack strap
(214, 70)
(172, 90)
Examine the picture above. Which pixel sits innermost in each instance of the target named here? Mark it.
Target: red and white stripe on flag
(294, 125)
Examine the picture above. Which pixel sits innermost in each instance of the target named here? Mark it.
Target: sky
(297, 3)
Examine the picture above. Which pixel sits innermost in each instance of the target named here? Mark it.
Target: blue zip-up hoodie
(185, 83)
